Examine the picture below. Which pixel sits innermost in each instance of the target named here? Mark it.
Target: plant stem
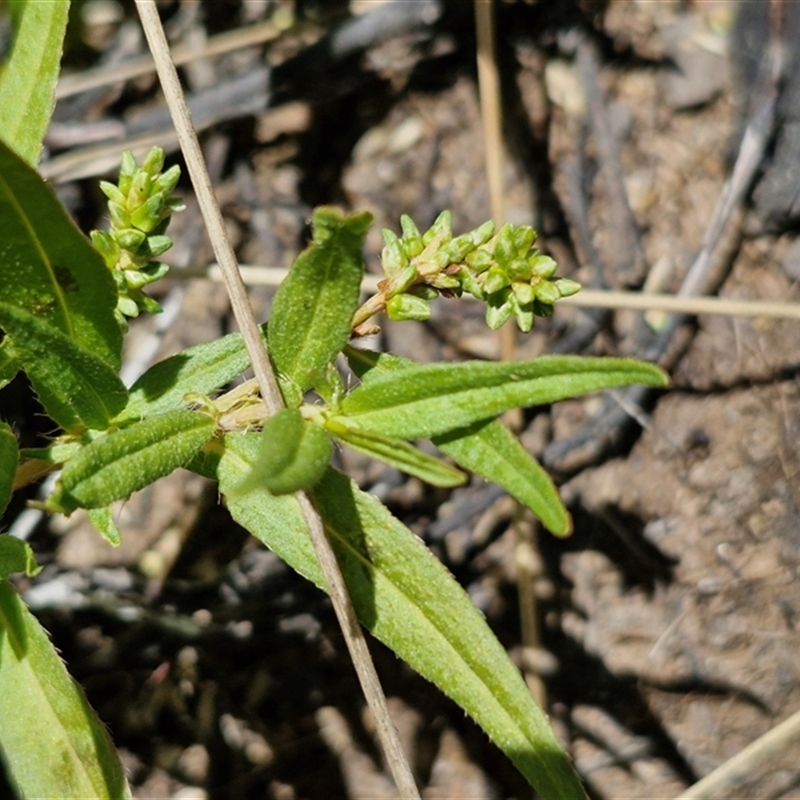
(353, 633)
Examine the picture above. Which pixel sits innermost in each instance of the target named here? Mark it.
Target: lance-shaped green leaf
(16, 556)
(41, 703)
(396, 453)
(294, 454)
(490, 450)
(431, 399)
(313, 309)
(9, 457)
(28, 78)
(114, 466)
(104, 524)
(486, 448)
(201, 369)
(408, 600)
(48, 267)
(72, 382)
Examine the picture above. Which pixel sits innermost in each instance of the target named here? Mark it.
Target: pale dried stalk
(741, 766)
(353, 634)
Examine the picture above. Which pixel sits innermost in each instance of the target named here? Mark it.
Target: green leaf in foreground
(73, 384)
(28, 78)
(294, 453)
(16, 556)
(9, 456)
(104, 524)
(114, 466)
(431, 399)
(486, 448)
(396, 453)
(48, 267)
(40, 703)
(490, 450)
(408, 600)
(313, 309)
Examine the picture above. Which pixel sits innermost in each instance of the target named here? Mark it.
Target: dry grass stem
(353, 634)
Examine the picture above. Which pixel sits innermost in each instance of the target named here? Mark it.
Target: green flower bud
(498, 309)
(496, 279)
(469, 283)
(404, 279)
(155, 271)
(547, 292)
(542, 266)
(129, 238)
(112, 192)
(127, 169)
(504, 247)
(167, 182)
(407, 306)
(393, 256)
(518, 270)
(523, 314)
(155, 246)
(120, 218)
(566, 286)
(154, 162)
(127, 306)
(524, 237)
(106, 245)
(482, 234)
(444, 281)
(524, 292)
(479, 260)
(459, 247)
(412, 241)
(148, 215)
(140, 189)
(442, 228)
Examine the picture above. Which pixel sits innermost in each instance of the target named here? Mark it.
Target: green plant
(62, 313)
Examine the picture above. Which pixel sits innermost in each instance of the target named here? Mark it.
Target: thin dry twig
(741, 766)
(353, 634)
(255, 275)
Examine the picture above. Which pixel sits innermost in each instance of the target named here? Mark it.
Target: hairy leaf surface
(431, 399)
(40, 703)
(28, 78)
(313, 309)
(73, 384)
(486, 448)
(114, 466)
(408, 600)
(48, 268)
(9, 457)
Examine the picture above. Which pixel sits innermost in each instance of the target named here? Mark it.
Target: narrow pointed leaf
(104, 523)
(16, 556)
(431, 399)
(396, 453)
(28, 78)
(40, 703)
(313, 309)
(9, 457)
(72, 382)
(408, 600)
(490, 450)
(201, 369)
(114, 466)
(48, 267)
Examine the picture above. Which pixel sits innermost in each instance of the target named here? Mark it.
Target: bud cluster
(140, 206)
(502, 269)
